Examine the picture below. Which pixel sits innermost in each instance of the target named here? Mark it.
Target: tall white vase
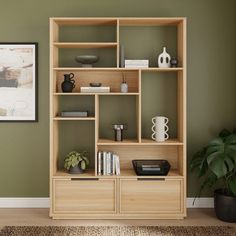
(164, 59)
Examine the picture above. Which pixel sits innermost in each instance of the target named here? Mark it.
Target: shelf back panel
(148, 42)
(76, 136)
(159, 98)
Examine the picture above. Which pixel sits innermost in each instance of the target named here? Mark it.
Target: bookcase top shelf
(85, 45)
(122, 21)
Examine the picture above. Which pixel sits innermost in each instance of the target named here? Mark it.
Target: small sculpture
(164, 59)
(174, 62)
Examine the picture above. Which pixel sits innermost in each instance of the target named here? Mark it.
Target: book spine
(113, 164)
(117, 164)
(108, 163)
(104, 163)
(99, 155)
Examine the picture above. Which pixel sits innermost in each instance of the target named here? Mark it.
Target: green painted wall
(24, 149)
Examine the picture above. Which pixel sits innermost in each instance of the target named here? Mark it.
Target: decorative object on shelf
(124, 85)
(215, 163)
(95, 84)
(122, 56)
(18, 82)
(74, 113)
(68, 84)
(76, 162)
(160, 128)
(136, 63)
(174, 62)
(151, 167)
(164, 59)
(118, 129)
(95, 89)
(87, 60)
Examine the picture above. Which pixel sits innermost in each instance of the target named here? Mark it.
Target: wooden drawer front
(150, 196)
(84, 196)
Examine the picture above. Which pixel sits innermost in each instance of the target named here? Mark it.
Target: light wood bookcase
(126, 196)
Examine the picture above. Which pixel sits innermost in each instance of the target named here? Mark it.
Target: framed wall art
(18, 82)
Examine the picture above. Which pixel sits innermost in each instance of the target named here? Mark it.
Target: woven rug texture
(118, 231)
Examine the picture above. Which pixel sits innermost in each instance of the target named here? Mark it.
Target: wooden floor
(197, 217)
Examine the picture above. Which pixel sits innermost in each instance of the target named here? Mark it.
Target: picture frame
(19, 82)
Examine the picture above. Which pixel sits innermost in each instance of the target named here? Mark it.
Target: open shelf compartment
(112, 79)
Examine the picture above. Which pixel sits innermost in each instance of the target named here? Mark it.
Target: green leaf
(83, 165)
(197, 159)
(229, 163)
(232, 186)
(212, 157)
(216, 141)
(232, 147)
(207, 183)
(231, 139)
(218, 167)
(203, 168)
(213, 149)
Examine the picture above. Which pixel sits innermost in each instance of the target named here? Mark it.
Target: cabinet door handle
(84, 179)
(151, 179)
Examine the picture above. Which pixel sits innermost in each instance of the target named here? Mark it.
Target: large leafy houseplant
(215, 164)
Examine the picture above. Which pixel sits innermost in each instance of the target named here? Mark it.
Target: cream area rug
(118, 231)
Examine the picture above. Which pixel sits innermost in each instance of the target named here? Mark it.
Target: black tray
(151, 167)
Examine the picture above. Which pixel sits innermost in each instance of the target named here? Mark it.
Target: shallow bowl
(87, 60)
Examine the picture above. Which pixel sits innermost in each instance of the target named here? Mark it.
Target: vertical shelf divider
(96, 131)
(139, 117)
(118, 43)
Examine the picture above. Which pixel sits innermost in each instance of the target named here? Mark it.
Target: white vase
(124, 87)
(164, 59)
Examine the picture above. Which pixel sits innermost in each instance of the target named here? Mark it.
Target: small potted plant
(216, 165)
(76, 162)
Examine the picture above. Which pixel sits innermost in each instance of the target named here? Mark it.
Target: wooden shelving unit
(125, 196)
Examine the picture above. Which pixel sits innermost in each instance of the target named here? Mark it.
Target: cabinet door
(84, 196)
(151, 196)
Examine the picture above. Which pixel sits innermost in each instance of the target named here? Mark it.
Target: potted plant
(216, 165)
(76, 162)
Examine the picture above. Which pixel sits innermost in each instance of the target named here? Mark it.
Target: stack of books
(95, 89)
(136, 63)
(108, 163)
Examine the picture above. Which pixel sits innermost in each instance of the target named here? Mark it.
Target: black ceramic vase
(68, 84)
(225, 206)
(173, 62)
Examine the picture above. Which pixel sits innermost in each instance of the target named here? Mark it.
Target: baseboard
(24, 202)
(44, 203)
(203, 202)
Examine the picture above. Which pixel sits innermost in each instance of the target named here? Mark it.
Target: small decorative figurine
(164, 59)
(124, 85)
(174, 62)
